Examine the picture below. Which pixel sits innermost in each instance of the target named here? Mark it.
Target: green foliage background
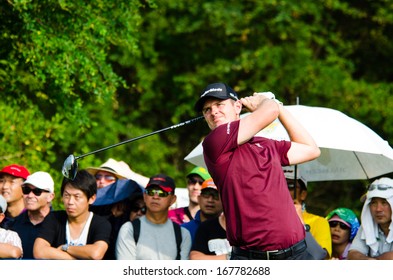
(77, 75)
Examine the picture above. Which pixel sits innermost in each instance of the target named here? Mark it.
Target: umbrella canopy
(116, 192)
(349, 149)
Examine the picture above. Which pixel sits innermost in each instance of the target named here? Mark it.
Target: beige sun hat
(118, 168)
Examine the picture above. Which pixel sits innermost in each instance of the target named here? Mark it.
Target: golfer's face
(218, 112)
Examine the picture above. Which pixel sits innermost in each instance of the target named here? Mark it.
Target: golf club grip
(140, 137)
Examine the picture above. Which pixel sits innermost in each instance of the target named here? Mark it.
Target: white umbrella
(349, 149)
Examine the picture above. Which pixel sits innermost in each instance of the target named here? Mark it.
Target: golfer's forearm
(264, 112)
(297, 133)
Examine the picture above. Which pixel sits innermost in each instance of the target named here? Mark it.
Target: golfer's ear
(238, 106)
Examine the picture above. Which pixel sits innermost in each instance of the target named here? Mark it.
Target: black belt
(271, 255)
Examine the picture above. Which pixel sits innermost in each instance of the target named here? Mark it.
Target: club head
(70, 167)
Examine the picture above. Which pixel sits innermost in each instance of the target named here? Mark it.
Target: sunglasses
(106, 177)
(380, 187)
(193, 181)
(291, 186)
(207, 194)
(36, 192)
(137, 209)
(343, 226)
(159, 192)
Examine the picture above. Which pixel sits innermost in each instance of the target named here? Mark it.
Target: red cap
(163, 181)
(16, 171)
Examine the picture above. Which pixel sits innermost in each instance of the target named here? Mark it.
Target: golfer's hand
(251, 103)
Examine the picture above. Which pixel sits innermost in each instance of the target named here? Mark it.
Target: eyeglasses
(137, 209)
(381, 187)
(36, 192)
(106, 177)
(333, 224)
(212, 193)
(193, 181)
(159, 192)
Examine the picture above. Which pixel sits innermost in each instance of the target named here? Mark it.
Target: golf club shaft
(139, 137)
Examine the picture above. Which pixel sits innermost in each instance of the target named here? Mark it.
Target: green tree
(76, 76)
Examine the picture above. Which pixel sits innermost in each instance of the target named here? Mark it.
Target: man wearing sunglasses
(374, 239)
(194, 178)
(38, 193)
(157, 233)
(112, 170)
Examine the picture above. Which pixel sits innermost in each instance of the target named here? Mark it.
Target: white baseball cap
(289, 172)
(41, 180)
(3, 204)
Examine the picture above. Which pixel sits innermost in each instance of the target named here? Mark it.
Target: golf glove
(270, 95)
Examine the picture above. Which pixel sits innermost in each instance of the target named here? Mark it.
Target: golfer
(261, 219)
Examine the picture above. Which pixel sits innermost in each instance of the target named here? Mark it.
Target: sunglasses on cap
(343, 226)
(381, 187)
(210, 193)
(193, 181)
(36, 191)
(159, 192)
(105, 177)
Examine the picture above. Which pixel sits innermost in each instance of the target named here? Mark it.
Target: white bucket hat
(41, 180)
(382, 188)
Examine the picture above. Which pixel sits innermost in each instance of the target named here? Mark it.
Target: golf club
(70, 166)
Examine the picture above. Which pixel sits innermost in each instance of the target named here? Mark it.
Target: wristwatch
(307, 227)
(65, 247)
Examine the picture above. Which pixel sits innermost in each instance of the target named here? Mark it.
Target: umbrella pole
(295, 182)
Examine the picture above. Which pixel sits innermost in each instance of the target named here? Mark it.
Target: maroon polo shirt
(259, 210)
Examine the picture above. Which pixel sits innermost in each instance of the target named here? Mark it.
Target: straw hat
(120, 169)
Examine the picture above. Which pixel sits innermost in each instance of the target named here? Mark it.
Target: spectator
(343, 227)
(10, 243)
(317, 225)
(114, 203)
(74, 233)
(374, 239)
(210, 206)
(38, 193)
(195, 179)
(154, 236)
(210, 242)
(11, 180)
(261, 220)
(138, 207)
(112, 170)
